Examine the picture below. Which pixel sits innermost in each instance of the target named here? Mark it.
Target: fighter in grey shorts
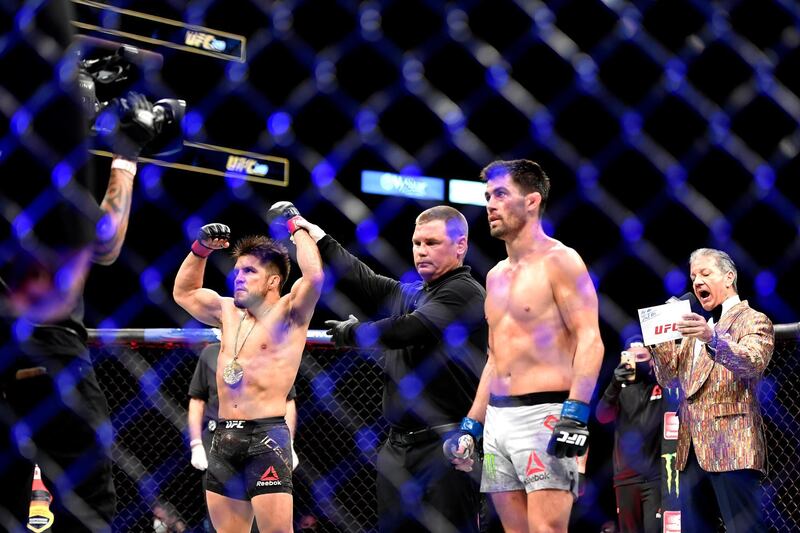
(515, 439)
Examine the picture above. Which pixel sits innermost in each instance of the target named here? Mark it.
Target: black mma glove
(571, 435)
(342, 331)
(459, 448)
(211, 237)
(137, 125)
(282, 218)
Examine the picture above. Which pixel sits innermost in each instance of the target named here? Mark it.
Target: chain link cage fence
(146, 374)
(146, 378)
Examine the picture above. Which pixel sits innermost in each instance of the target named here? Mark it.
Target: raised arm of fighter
(306, 291)
(203, 304)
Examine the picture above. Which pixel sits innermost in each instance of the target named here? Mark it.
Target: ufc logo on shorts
(234, 424)
(572, 438)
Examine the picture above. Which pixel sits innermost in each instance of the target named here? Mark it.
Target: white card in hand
(660, 323)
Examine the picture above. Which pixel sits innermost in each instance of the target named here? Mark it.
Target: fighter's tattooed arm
(116, 206)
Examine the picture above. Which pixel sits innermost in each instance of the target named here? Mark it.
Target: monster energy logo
(668, 459)
(488, 465)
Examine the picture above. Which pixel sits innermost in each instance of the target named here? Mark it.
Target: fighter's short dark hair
(526, 174)
(268, 251)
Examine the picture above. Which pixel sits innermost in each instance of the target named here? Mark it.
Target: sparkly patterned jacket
(719, 410)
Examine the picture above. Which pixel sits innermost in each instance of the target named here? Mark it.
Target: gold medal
(233, 372)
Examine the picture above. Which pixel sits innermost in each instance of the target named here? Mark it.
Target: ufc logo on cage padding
(572, 438)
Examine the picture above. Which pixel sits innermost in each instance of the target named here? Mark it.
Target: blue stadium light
(22, 435)
(676, 175)
(675, 72)
(675, 282)
(20, 121)
(631, 124)
(150, 279)
(149, 382)
(150, 177)
(105, 325)
(388, 184)
(720, 127)
(22, 225)
(411, 169)
(322, 490)
(765, 177)
(240, 188)
(22, 330)
(279, 123)
(367, 231)
(62, 174)
(367, 335)
(322, 174)
(455, 334)
(105, 434)
(411, 492)
(104, 229)
(467, 192)
(767, 390)
(323, 385)
(366, 439)
(765, 283)
(106, 122)
(191, 226)
(632, 229)
(410, 386)
(192, 123)
(587, 175)
(66, 276)
(548, 227)
(237, 72)
(366, 121)
(409, 276)
(721, 229)
(455, 121)
(497, 76)
(542, 126)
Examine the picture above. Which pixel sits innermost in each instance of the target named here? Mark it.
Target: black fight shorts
(249, 458)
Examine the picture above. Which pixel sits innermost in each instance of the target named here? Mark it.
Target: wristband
(124, 164)
(200, 250)
(576, 410)
(471, 427)
(291, 224)
(195, 442)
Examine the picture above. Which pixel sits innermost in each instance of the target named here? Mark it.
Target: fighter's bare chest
(518, 294)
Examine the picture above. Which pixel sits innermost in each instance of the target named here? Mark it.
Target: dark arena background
(665, 126)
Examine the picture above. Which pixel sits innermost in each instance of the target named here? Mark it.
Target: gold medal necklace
(233, 372)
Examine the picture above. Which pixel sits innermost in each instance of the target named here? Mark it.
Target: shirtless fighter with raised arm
(263, 337)
(545, 353)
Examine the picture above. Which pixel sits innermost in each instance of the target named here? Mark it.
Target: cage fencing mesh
(339, 432)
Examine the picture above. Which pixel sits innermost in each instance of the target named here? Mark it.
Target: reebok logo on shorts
(550, 422)
(536, 471)
(269, 478)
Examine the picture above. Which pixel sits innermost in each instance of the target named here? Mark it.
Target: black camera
(107, 71)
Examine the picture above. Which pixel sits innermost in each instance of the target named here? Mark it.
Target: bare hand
(695, 326)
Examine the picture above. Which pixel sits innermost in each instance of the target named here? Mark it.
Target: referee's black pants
(420, 491)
